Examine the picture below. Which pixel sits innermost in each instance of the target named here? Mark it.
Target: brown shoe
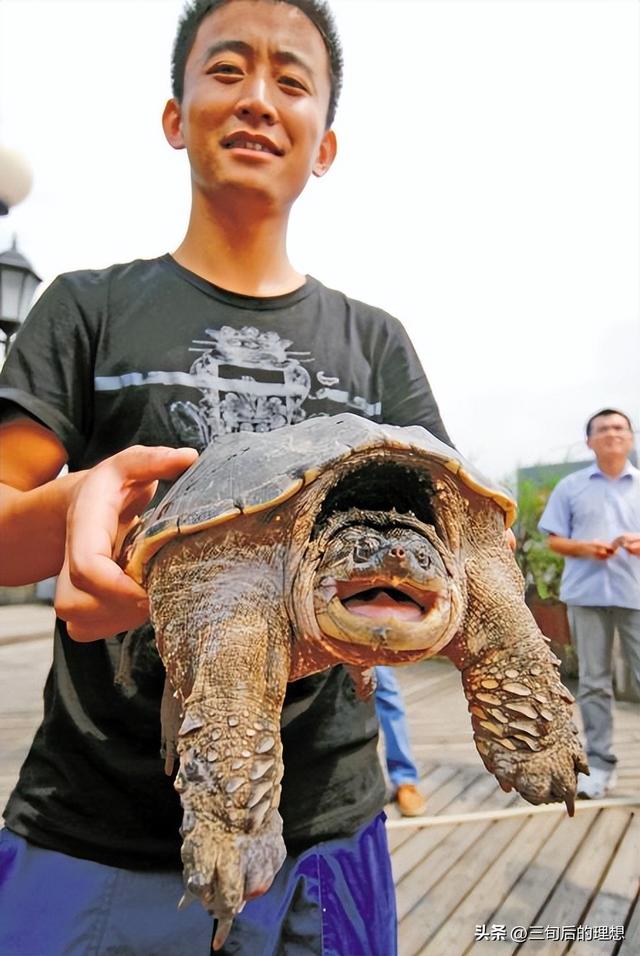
(410, 801)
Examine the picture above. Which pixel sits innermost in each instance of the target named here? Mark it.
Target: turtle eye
(364, 548)
(423, 556)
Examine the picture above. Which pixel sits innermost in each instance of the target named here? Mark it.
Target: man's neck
(612, 465)
(239, 250)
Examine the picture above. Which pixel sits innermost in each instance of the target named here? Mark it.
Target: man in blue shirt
(593, 520)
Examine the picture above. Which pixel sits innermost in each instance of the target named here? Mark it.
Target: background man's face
(610, 434)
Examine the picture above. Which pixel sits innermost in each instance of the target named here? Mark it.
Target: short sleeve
(407, 398)
(48, 372)
(556, 517)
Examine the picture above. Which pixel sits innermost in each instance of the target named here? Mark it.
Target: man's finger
(146, 463)
(89, 617)
(100, 629)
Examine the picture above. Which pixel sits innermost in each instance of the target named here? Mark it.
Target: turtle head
(385, 583)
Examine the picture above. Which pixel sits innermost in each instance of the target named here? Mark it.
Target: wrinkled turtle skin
(335, 540)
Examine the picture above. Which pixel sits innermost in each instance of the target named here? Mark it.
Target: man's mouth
(258, 144)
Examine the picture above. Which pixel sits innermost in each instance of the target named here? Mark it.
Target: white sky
(486, 190)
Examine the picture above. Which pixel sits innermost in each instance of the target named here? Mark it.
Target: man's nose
(256, 103)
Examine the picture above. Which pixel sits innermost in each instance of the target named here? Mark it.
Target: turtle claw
(186, 900)
(223, 927)
(570, 803)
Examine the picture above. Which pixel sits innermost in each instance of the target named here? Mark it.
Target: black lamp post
(18, 282)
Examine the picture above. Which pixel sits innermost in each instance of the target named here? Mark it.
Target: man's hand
(629, 541)
(596, 550)
(574, 548)
(94, 595)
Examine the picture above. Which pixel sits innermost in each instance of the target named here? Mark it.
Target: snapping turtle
(335, 540)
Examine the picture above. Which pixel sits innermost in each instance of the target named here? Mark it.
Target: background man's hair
(607, 411)
(316, 10)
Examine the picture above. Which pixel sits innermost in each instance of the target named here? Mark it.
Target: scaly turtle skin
(336, 540)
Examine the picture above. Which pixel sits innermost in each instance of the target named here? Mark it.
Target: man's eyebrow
(227, 46)
(288, 58)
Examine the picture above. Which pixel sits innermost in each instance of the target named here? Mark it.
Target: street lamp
(18, 282)
(15, 179)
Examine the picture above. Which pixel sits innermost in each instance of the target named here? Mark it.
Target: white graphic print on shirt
(249, 380)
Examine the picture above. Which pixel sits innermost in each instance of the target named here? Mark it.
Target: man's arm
(33, 502)
(73, 525)
(571, 547)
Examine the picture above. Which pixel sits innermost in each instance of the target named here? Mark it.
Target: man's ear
(326, 153)
(172, 124)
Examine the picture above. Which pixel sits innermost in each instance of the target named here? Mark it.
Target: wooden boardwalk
(545, 872)
(470, 888)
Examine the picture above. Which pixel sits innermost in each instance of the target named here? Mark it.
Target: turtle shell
(246, 472)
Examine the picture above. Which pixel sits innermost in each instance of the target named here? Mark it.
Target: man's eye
(225, 69)
(293, 83)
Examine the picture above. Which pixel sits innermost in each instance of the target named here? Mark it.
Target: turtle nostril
(397, 552)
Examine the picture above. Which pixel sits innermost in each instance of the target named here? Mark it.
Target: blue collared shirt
(588, 506)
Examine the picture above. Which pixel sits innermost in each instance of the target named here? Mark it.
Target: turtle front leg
(224, 636)
(229, 784)
(520, 710)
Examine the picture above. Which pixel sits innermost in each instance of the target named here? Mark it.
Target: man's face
(256, 94)
(610, 434)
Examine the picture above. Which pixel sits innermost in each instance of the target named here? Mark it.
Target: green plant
(541, 567)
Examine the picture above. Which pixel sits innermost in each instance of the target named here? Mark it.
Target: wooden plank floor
(541, 872)
(470, 888)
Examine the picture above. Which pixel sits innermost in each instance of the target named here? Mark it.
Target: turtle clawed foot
(549, 776)
(224, 869)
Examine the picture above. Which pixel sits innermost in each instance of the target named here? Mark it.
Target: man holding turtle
(103, 378)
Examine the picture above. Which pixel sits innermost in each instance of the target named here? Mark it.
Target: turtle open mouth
(382, 600)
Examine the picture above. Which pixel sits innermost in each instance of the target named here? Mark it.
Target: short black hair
(607, 411)
(316, 10)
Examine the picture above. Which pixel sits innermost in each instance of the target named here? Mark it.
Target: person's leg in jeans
(401, 767)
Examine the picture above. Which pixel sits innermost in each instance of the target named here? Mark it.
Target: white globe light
(15, 178)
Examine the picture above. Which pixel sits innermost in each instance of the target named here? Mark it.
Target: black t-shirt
(150, 353)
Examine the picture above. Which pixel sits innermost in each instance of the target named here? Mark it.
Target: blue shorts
(335, 899)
